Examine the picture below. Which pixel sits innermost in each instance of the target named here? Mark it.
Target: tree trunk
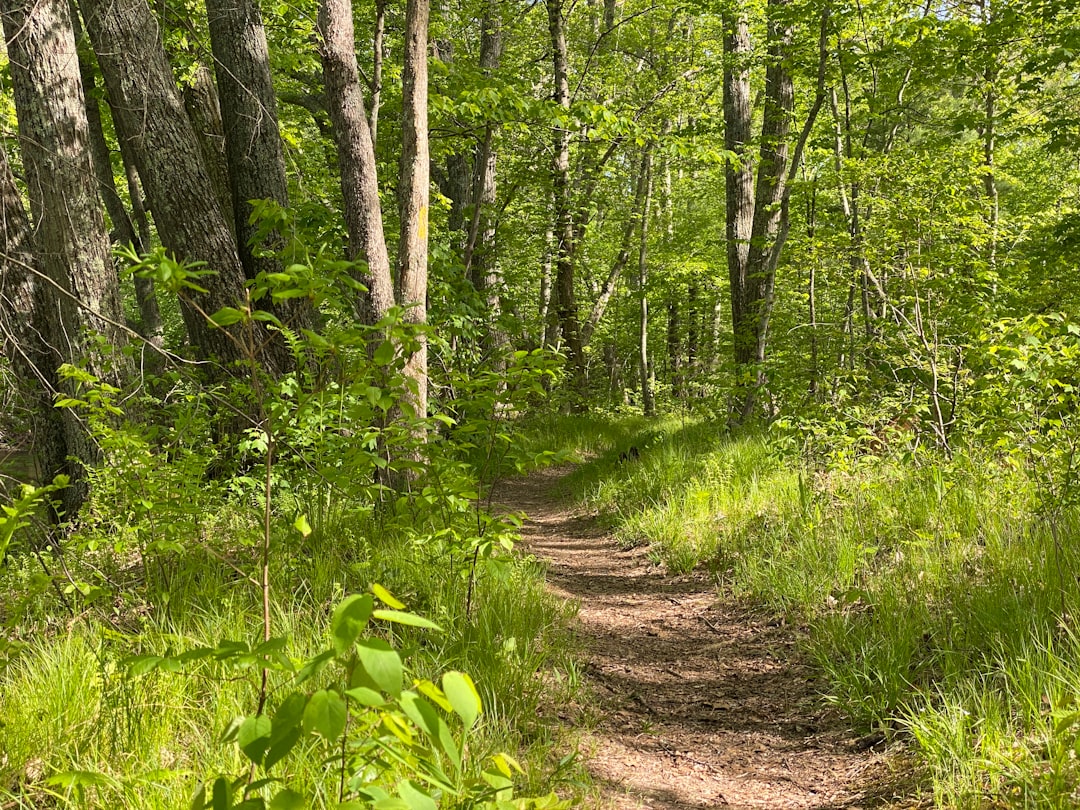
(356, 157)
(151, 327)
(564, 222)
(23, 326)
(648, 400)
(70, 243)
(377, 70)
(633, 221)
(739, 178)
(252, 146)
(123, 229)
(480, 257)
(190, 220)
(203, 108)
(414, 191)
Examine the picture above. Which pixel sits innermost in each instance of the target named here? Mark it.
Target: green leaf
(221, 797)
(325, 714)
(349, 620)
(382, 664)
(301, 525)
(425, 716)
(226, 316)
(461, 692)
(416, 798)
(287, 728)
(314, 666)
(386, 597)
(253, 737)
(288, 800)
(384, 354)
(410, 619)
(366, 697)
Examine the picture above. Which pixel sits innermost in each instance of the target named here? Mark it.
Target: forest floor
(692, 700)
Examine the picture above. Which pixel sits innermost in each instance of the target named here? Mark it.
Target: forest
(539, 404)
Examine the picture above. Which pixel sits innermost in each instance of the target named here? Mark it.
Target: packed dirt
(696, 702)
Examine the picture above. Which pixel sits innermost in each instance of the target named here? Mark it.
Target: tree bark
(648, 400)
(633, 221)
(123, 229)
(70, 242)
(566, 305)
(252, 145)
(190, 220)
(414, 192)
(356, 157)
(203, 108)
(739, 177)
(23, 329)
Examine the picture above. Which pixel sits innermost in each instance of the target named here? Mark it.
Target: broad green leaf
(325, 714)
(287, 728)
(349, 620)
(427, 718)
(253, 737)
(416, 798)
(382, 664)
(366, 697)
(226, 316)
(461, 692)
(410, 619)
(384, 354)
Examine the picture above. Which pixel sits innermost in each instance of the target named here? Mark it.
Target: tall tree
(190, 221)
(565, 237)
(356, 158)
(252, 140)
(414, 191)
(70, 243)
(757, 221)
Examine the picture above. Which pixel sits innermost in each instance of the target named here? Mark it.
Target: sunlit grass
(937, 603)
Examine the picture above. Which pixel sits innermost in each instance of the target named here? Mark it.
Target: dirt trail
(701, 704)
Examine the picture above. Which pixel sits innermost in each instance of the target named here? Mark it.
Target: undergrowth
(937, 594)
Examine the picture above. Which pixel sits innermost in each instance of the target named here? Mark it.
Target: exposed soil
(698, 702)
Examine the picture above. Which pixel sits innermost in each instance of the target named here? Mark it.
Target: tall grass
(68, 704)
(937, 601)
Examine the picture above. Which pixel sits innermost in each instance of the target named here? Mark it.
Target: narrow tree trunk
(377, 70)
(480, 257)
(356, 156)
(203, 110)
(739, 178)
(414, 192)
(123, 229)
(648, 400)
(151, 327)
(633, 221)
(564, 223)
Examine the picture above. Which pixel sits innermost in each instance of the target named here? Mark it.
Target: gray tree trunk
(413, 196)
(566, 303)
(252, 143)
(191, 222)
(70, 243)
(356, 158)
(23, 328)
